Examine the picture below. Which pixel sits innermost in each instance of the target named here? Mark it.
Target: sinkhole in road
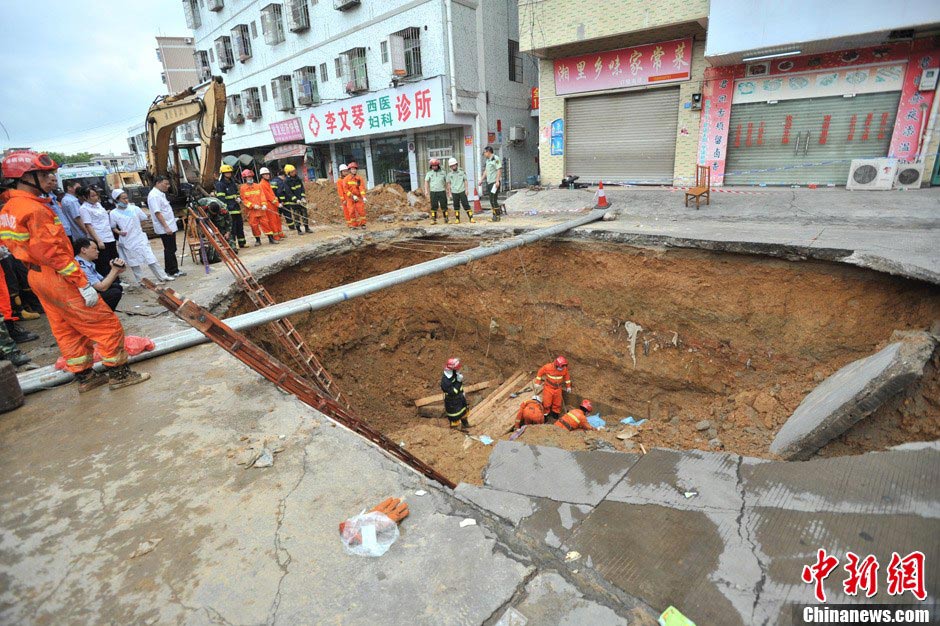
(736, 340)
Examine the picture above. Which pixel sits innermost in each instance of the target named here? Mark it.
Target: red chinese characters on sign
(358, 116)
(423, 103)
(818, 572)
(664, 62)
(331, 122)
(288, 130)
(863, 574)
(907, 574)
(535, 99)
(403, 107)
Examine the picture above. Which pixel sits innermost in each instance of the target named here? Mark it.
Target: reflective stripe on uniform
(14, 235)
(69, 269)
(78, 360)
(458, 413)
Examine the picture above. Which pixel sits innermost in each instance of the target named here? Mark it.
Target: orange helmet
(22, 161)
(453, 364)
(561, 362)
(587, 406)
(435, 162)
(248, 174)
(353, 165)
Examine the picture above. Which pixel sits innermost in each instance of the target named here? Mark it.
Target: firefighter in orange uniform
(254, 201)
(530, 412)
(355, 197)
(79, 319)
(341, 191)
(553, 375)
(576, 419)
(273, 216)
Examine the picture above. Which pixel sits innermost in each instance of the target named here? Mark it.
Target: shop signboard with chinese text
(388, 111)
(288, 130)
(638, 66)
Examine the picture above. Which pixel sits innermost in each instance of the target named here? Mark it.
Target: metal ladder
(307, 362)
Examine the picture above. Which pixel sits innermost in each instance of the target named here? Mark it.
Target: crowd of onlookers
(105, 244)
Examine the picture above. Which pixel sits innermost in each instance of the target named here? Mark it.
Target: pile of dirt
(323, 204)
(737, 341)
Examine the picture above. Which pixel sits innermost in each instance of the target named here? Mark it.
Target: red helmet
(22, 161)
(436, 162)
(353, 165)
(453, 364)
(561, 362)
(248, 174)
(587, 406)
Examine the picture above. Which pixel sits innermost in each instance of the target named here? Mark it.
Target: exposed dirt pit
(735, 340)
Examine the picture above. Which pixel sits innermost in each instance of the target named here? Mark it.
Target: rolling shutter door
(623, 137)
(815, 150)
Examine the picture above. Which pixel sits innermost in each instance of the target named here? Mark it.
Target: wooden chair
(703, 186)
(192, 239)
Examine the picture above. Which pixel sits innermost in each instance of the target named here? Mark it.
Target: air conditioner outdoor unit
(304, 100)
(243, 57)
(342, 5)
(517, 133)
(909, 176)
(871, 174)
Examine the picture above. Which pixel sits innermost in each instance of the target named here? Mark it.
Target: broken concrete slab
(664, 477)
(550, 599)
(896, 482)
(577, 477)
(509, 506)
(852, 394)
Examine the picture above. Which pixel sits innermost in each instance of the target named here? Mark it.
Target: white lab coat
(134, 245)
(96, 216)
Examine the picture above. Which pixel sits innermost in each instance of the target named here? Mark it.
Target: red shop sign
(535, 99)
(649, 64)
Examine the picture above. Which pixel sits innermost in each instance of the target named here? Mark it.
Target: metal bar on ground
(46, 377)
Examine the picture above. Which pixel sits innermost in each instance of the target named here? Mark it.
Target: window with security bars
(191, 11)
(383, 47)
(241, 42)
(305, 81)
(354, 69)
(515, 62)
(298, 15)
(223, 50)
(282, 93)
(202, 63)
(272, 24)
(323, 75)
(233, 109)
(412, 39)
(252, 103)
(338, 67)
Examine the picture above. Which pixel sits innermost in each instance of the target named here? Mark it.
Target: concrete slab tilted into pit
(733, 552)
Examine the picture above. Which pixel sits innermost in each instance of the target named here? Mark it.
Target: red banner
(535, 99)
(649, 64)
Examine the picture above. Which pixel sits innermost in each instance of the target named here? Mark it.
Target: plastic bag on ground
(369, 534)
(133, 345)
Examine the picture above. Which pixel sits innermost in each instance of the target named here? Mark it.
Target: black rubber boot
(90, 379)
(257, 241)
(17, 358)
(19, 335)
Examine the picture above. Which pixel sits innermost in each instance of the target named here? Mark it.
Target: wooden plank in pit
(439, 398)
(484, 413)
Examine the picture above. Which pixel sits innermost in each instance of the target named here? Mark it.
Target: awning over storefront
(286, 152)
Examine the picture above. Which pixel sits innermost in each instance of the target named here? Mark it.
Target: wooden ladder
(307, 362)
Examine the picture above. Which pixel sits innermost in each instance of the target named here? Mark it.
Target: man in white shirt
(164, 224)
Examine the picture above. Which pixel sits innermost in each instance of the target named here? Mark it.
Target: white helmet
(264, 170)
(451, 161)
(343, 167)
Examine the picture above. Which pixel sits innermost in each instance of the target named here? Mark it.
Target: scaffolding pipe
(46, 377)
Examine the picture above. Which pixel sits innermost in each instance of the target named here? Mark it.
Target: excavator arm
(205, 103)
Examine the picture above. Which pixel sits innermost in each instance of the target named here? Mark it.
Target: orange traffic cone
(601, 197)
(477, 206)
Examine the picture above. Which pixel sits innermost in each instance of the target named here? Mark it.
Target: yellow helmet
(289, 169)
(225, 168)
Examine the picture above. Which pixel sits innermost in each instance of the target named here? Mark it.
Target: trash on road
(468, 522)
(421, 492)
(672, 617)
(689, 494)
(631, 421)
(596, 421)
(518, 433)
(485, 440)
(574, 555)
(373, 533)
(512, 617)
(145, 547)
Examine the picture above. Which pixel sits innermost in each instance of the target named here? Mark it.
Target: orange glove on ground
(395, 509)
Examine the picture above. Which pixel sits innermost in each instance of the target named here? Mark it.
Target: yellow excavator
(205, 104)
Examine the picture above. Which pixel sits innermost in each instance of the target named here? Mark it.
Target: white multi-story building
(386, 83)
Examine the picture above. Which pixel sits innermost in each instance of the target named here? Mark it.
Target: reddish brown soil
(755, 335)
(323, 204)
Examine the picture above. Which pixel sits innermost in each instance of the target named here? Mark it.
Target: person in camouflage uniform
(219, 216)
(9, 350)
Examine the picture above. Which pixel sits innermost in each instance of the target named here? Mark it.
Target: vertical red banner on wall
(883, 125)
(867, 126)
(750, 129)
(737, 136)
(760, 134)
(852, 122)
(824, 133)
(787, 125)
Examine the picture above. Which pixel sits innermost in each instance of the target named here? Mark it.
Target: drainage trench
(734, 340)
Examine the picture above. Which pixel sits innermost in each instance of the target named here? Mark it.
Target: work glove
(568, 389)
(395, 509)
(460, 377)
(90, 294)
